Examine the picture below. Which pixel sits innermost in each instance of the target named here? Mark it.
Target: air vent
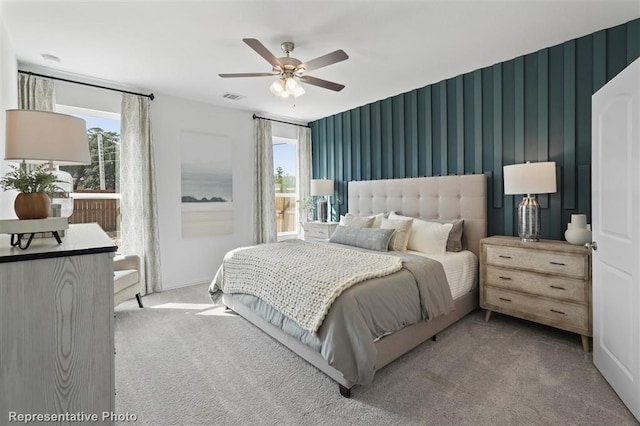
(232, 96)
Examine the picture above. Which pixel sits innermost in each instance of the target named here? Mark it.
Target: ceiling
(178, 48)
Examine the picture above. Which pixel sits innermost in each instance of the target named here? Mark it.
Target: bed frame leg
(434, 337)
(345, 391)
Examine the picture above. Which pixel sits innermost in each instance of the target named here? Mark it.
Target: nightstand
(548, 282)
(318, 230)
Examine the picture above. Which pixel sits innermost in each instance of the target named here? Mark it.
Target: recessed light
(50, 58)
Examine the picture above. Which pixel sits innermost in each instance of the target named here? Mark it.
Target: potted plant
(307, 205)
(34, 187)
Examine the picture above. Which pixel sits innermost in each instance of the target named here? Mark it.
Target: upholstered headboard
(441, 197)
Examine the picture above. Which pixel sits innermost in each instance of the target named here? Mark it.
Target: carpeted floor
(182, 361)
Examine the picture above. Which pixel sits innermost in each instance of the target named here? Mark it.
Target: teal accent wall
(536, 107)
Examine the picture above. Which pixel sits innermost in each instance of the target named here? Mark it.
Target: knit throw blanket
(299, 278)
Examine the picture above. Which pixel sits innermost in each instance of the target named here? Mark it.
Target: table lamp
(322, 188)
(529, 178)
(48, 137)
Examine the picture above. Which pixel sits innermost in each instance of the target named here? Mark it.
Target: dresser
(56, 333)
(318, 230)
(548, 282)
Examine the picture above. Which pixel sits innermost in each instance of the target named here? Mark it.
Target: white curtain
(264, 198)
(304, 170)
(36, 93)
(138, 206)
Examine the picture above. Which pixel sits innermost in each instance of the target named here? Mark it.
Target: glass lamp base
(322, 209)
(529, 220)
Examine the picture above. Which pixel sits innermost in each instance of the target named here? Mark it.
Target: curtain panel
(304, 171)
(138, 205)
(264, 192)
(36, 93)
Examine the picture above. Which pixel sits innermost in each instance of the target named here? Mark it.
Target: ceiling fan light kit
(285, 87)
(290, 70)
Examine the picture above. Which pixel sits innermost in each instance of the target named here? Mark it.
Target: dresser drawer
(538, 284)
(567, 316)
(564, 264)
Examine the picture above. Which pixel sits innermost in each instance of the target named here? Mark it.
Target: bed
(446, 197)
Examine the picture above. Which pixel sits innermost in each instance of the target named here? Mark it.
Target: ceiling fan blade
(263, 51)
(249, 74)
(322, 83)
(324, 60)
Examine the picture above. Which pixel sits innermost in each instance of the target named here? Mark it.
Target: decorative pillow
(454, 242)
(377, 219)
(367, 238)
(396, 216)
(400, 238)
(429, 237)
(355, 221)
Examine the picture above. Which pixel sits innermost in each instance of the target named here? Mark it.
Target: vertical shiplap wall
(535, 107)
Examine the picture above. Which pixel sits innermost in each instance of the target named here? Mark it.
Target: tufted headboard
(440, 197)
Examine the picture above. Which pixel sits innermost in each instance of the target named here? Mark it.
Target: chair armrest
(131, 261)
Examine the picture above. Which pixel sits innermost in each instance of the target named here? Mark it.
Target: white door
(616, 231)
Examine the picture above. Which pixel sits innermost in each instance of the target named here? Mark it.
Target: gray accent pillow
(366, 238)
(454, 242)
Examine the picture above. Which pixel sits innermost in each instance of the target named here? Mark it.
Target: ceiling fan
(291, 70)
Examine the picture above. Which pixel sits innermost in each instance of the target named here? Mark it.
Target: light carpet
(183, 361)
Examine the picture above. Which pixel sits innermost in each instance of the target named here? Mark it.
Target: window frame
(296, 232)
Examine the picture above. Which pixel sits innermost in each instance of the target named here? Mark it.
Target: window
(96, 187)
(285, 154)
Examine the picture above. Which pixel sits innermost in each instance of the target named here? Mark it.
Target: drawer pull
(558, 263)
(505, 299)
(557, 287)
(504, 257)
(557, 312)
(505, 278)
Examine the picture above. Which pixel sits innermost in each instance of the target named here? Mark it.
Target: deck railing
(101, 207)
(286, 212)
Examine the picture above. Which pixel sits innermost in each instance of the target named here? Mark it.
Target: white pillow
(427, 237)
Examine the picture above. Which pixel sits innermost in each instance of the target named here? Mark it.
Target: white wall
(8, 100)
(194, 260)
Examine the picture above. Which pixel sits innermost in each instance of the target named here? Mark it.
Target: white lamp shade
(530, 178)
(322, 187)
(41, 136)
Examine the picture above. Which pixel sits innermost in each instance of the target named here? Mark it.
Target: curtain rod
(280, 121)
(150, 96)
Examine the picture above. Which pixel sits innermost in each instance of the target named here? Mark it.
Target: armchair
(126, 279)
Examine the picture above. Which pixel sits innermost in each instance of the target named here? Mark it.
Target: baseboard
(187, 284)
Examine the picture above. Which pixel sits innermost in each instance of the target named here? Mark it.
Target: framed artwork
(206, 184)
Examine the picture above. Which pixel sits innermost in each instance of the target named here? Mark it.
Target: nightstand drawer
(318, 230)
(322, 233)
(568, 265)
(539, 284)
(568, 316)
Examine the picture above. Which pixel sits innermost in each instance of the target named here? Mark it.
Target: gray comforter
(365, 312)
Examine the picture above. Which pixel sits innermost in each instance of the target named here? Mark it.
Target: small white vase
(578, 236)
(579, 220)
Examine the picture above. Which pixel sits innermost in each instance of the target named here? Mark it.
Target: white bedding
(461, 269)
